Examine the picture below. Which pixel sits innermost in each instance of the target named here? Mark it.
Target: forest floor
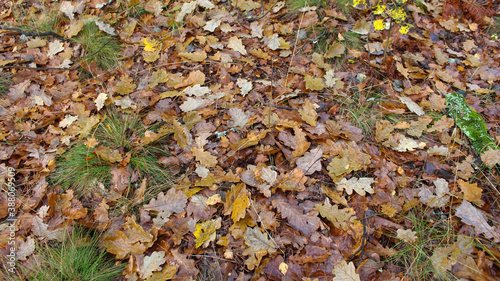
(247, 140)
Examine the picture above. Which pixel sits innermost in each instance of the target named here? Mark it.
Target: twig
(263, 15)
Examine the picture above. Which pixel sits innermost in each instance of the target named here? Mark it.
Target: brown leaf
(132, 240)
(258, 244)
(339, 218)
(305, 223)
(470, 215)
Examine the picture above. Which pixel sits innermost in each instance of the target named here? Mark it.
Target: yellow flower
(379, 24)
(404, 29)
(398, 14)
(378, 9)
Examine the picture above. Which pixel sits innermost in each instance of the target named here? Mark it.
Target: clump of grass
(296, 5)
(360, 109)
(344, 6)
(433, 230)
(99, 46)
(5, 82)
(78, 257)
(81, 169)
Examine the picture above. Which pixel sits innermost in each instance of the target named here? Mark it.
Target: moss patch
(470, 122)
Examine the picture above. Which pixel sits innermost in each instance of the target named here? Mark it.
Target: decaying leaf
(470, 215)
(361, 185)
(258, 244)
(152, 263)
(407, 235)
(205, 232)
(339, 218)
(310, 162)
(345, 272)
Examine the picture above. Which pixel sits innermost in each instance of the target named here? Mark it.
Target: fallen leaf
(407, 235)
(236, 44)
(314, 84)
(345, 272)
(308, 113)
(258, 244)
(471, 191)
(339, 218)
(361, 185)
(470, 215)
(205, 232)
(309, 163)
(152, 263)
(99, 101)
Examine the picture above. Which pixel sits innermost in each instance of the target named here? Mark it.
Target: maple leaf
(339, 218)
(305, 223)
(258, 244)
(471, 191)
(361, 185)
(345, 272)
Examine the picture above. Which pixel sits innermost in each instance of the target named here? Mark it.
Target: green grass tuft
(78, 257)
(433, 232)
(81, 169)
(93, 40)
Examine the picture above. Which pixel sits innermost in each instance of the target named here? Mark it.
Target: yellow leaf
(471, 191)
(206, 159)
(240, 206)
(312, 83)
(283, 267)
(339, 218)
(344, 272)
(150, 45)
(308, 113)
(206, 232)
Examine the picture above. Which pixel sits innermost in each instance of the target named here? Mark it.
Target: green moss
(470, 122)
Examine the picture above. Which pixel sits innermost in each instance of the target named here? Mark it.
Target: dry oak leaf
(125, 85)
(182, 135)
(361, 185)
(339, 218)
(132, 239)
(345, 272)
(440, 199)
(41, 230)
(470, 215)
(245, 86)
(236, 44)
(406, 235)
(25, 249)
(194, 56)
(99, 101)
(308, 113)
(152, 263)
(412, 106)
(258, 244)
(238, 117)
(55, 47)
(310, 162)
(471, 191)
(205, 232)
(292, 181)
(204, 157)
(491, 157)
(351, 159)
(174, 201)
(313, 83)
(108, 154)
(248, 177)
(305, 223)
(195, 77)
(240, 206)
